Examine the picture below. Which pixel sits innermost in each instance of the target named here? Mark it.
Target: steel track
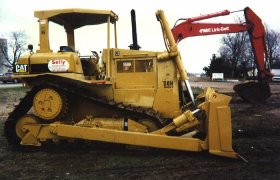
(73, 89)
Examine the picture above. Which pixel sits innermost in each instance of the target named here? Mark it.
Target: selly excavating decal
(58, 65)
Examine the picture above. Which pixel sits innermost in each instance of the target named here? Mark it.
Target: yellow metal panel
(44, 35)
(135, 80)
(137, 97)
(127, 53)
(134, 76)
(225, 128)
(167, 97)
(108, 67)
(44, 58)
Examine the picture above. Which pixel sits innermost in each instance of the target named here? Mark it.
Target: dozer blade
(253, 92)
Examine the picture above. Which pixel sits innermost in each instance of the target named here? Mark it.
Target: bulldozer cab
(72, 19)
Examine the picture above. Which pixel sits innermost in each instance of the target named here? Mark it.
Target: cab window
(129, 66)
(144, 66)
(125, 66)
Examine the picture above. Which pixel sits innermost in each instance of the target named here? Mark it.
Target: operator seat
(65, 49)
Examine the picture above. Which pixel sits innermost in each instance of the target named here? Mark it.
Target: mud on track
(256, 136)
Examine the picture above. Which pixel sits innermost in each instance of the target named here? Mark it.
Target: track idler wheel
(50, 104)
(26, 119)
(253, 92)
(13, 128)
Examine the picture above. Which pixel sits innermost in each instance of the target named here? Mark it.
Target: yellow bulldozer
(126, 96)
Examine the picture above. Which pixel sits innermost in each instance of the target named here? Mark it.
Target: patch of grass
(14, 93)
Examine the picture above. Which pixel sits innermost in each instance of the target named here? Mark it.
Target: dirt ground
(256, 136)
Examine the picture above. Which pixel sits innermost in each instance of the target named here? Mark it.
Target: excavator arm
(257, 37)
(190, 27)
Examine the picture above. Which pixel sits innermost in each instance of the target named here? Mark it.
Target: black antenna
(135, 45)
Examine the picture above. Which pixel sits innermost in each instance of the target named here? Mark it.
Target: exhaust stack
(135, 45)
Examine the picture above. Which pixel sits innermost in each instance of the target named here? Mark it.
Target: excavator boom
(252, 91)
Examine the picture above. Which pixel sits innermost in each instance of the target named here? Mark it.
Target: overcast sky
(196, 52)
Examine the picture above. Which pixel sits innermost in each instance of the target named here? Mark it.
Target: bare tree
(16, 45)
(273, 46)
(234, 47)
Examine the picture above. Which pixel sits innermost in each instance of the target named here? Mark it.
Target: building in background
(3, 43)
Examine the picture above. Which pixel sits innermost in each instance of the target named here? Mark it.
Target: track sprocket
(50, 104)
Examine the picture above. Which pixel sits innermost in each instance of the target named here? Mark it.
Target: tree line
(235, 56)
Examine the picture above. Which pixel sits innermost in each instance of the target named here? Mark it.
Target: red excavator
(252, 91)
